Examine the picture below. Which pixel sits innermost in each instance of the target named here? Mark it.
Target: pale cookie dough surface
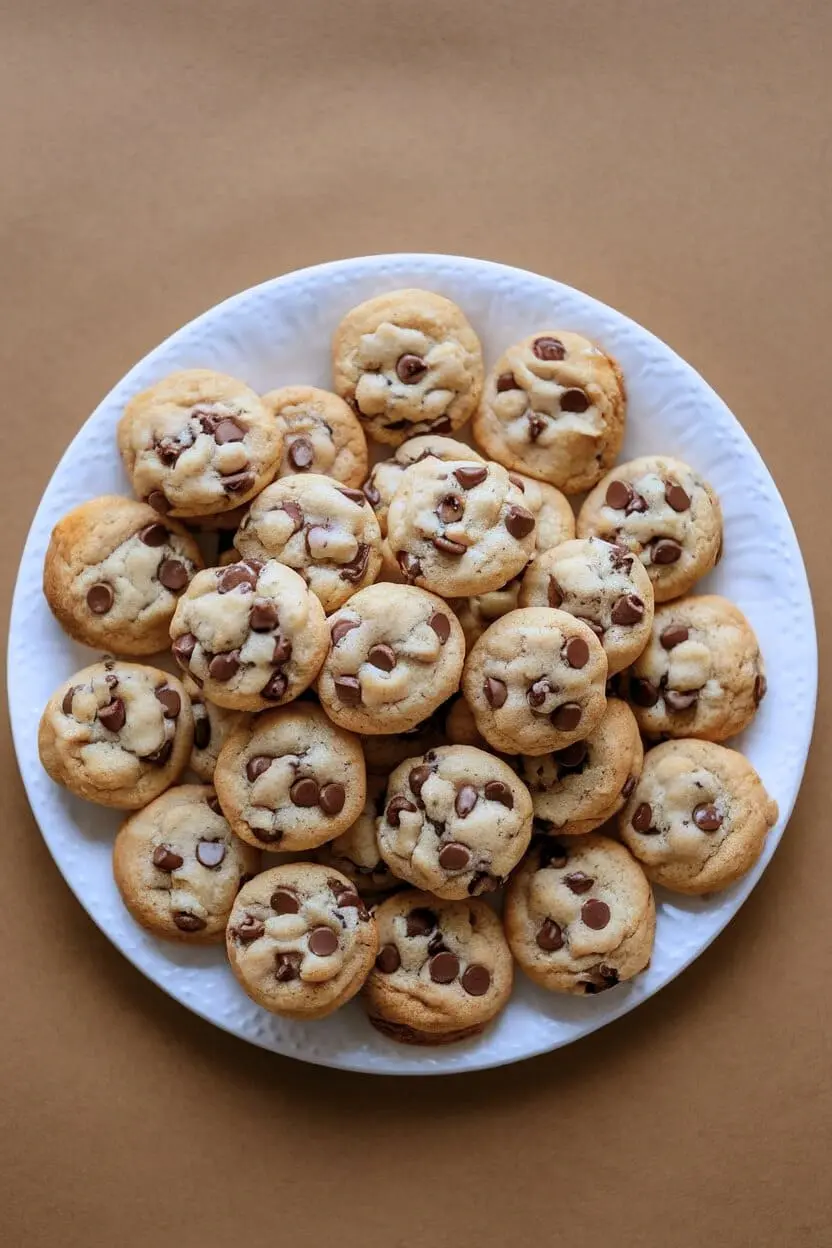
(443, 969)
(407, 363)
(320, 434)
(580, 915)
(698, 818)
(290, 779)
(113, 573)
(212, 724)
(535, 681)
(553, 407)
(250, 634)
(179, 867)
(663, 511)
(702, 674)
(600, 583)
(579, 788)
(455, 822)
(459, 528)
(396, 653)
(355, 853)
(300, 940)
(117, 733)
(325, 531)
(198, 443)
(385, 476)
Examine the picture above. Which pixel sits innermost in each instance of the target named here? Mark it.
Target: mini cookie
(198, 443)
(455, 822)
(251, 634)
(535, 681)
(443, 970)
(577, 789)
(300, 940)
(384, 751)
(212, 725)
(178, 866)
(698, 817)
(385, 476)
(478, 613)
(407, 362)
(662, 511)
(702, 674)
(603, 585)
(320, 434)
(459, 528)
(113, 572)
(289, 779)
(117, 733)
(325, 531)
(355, 853)
(553, 407)
(396, 654)
(580, 916)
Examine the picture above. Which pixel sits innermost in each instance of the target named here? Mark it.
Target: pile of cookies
(415, 683)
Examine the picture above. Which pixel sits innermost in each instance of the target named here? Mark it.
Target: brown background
(667, 157)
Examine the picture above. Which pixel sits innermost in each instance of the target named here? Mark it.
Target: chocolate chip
(760, 688)
(637, 505)
(469, 476)
(673, 635)
(454, 857)
(227, 430)
(382, 656)
(210, 853)
(224, 666)
(420, 922)
(573, 756)
(599, 979)
(538, 692)
(322, 942)
(466, 800)
(676, 497)
(506, 382)
(158, 502)
(262, 617)
(287, 966)
(409, 564)
(183, 648)
(566, 717)
(495, 692)
(519, 522)
(443, 967)
(235, 575)
(448, 547)
(628, 609)
(166, 859)
(388, 960)
(619, 495)
(595, 914)
(188, 922)
(496, 791)
(643, 692)
(536, 423)
(554, 593)
(100, 598)
(394, 809)
(160, 756)
(676, 700)
(549, 349)
(170, 700)
(579, 882)
(476, 980)
(173, 574)
(707, 817)
(332, 798)
(628, 786)
(238, 482)
(301, 454)
(294, 513)
(450, 508)
(642, 817)
(249, 929)
(441, 625)
(416, 778)
(284, 901)
(66, 702)
(517, 481)
(305, 792)
(113, 715)
(549, 936)
(574, 401)
(153, 535)
(666, 550)
(340, 628)
(410, 369)
(348, 689)
(371, 494)
(620, 559)
(576, 652)
(257, 765)
(275, 688)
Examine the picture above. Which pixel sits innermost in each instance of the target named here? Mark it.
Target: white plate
(279, 333)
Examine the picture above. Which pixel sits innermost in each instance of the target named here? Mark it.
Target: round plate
(279, 333)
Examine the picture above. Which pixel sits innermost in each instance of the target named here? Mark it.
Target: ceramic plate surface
(279, 333)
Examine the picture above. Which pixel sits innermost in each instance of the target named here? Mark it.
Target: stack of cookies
(413, 689)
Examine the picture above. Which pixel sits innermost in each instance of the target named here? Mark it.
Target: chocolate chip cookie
(580, 915)
(396, 653)
(321, 434)
(250, 634)
(602, 584)
(384, 751)
(553, 407)
(663, 511)
(443, 969)
(113, 572)
(325, 531)
(385, 476)
(117, 733)
(455, 822)
(290, 779)
(300, 940)
(212, 725)
(459, 528)
(577, 789)
(536, 681)
(355, 853)
(178, 866)
(701, 675)
(198, 443)
(407, 362)
(698, 817)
